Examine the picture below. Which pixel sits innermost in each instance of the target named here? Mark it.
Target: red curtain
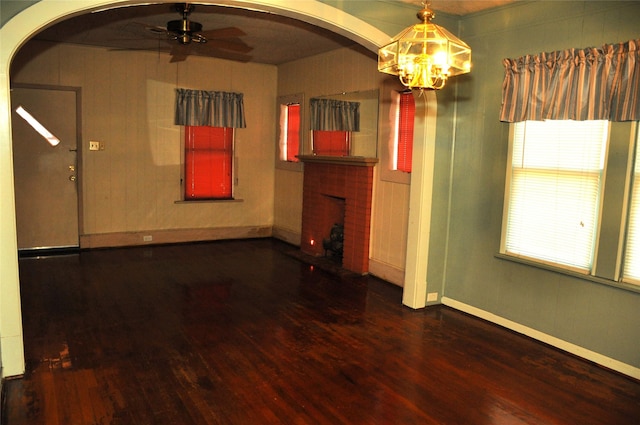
(208, 162)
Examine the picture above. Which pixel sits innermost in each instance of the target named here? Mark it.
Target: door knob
(72, 178)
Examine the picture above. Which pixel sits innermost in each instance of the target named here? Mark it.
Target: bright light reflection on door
(53, 140)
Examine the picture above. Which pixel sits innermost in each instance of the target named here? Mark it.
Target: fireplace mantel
(340, 160)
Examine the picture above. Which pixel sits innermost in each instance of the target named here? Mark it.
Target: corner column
(420, 197)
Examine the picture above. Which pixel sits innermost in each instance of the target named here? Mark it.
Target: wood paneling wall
(343, 70)
(132, 186)
(128, 104)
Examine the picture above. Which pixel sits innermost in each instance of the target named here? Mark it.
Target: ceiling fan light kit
(184, 30)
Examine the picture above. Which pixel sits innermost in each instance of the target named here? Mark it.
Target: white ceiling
(273, 39)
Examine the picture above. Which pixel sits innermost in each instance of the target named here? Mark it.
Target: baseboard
(385, 271)
(154, 237)
(587, 354)
(286, 235)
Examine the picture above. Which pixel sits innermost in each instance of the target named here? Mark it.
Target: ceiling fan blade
(146, 29)
(176, 59)
(229, 32)
(235, 58)
(180, 52)
(232, 45)
(225, 54)
(156, 29)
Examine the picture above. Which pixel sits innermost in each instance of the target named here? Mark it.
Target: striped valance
(334, 115)
(576, 84)
(209, 108)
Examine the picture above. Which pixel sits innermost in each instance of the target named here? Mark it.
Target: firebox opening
(333, 240)
(333, 245)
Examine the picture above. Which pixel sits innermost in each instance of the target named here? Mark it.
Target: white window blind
(555, 184)
(631, 269)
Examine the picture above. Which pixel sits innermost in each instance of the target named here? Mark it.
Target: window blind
(404, 141)
(631, 268)
(290, 132)
(555, 185)
(208, 162)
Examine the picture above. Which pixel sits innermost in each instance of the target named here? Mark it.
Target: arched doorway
(14, 34)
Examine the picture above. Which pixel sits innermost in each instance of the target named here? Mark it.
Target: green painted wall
(595, 316)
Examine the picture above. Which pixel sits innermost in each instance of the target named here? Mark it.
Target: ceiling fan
(189, 36)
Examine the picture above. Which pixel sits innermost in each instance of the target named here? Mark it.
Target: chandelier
(424, 55)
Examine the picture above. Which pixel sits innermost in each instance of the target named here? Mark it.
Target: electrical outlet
(432, 296)
(147, 238)
(94, 145)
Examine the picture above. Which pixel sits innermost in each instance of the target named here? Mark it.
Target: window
(289, 142)
(332, 123)
(208, 162)
(631, 271)
(403, 140)
(331, 143)
(554, 187)
(397, 130)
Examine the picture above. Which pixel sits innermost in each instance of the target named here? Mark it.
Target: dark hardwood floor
(241, 332)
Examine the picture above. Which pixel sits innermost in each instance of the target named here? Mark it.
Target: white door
(45, 176)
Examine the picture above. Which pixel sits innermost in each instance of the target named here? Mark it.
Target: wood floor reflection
(240, 332)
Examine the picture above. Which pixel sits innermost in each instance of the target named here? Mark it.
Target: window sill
(395, 176)
(620, 285)
(207, 201)
(289, 165)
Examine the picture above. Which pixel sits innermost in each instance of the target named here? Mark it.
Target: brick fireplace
(338, 189)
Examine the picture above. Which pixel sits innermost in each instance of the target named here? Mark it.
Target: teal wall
(593, 315)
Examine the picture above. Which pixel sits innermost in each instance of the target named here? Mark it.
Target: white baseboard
(154, 237)
(386, 272)
(587, 354)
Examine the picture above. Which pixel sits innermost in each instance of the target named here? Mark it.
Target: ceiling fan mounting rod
(185, 9)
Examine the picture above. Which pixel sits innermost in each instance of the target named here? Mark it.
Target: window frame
(550, 172)
(634, 164)
(297, 98)
(387, 130)
(611, 228)
(404, 133)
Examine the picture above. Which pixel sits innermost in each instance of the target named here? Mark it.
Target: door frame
(79, 157)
